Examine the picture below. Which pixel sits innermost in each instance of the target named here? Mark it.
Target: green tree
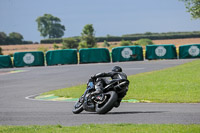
(15, 38)
(87, 37)
(50, 26)
(69, 43)
(193, 7)
(3, 38)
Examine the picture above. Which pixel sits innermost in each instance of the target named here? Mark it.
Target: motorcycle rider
(101, 82)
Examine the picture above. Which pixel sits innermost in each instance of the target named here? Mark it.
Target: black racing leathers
(101, 82)
(113, 75)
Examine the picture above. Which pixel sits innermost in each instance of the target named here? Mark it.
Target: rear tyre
(108, 104)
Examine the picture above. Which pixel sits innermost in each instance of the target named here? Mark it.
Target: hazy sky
(113, 17)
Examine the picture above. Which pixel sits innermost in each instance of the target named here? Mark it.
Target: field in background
(11, 49)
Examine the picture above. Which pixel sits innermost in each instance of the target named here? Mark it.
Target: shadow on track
(136, 112)
(130, 112)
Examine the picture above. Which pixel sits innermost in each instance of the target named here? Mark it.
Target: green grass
(179, 84)
(105, 128)
(71, 92)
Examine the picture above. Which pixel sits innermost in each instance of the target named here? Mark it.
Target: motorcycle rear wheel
(109, 104)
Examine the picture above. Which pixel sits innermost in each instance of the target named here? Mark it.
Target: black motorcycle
(102, 103)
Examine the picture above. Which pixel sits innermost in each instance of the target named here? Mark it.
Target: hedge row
(134, 37)
(152, 37)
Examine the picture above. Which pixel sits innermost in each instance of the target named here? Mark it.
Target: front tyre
(108, 104)
(78, 107)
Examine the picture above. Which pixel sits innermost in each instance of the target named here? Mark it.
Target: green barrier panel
(66, 56)
(127, 53)
(22, 59)
(189, 51)
(5, 61)
(94, 55)
(161, 52)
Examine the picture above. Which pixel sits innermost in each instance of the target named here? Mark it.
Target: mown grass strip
(105, 128)
(179, 84)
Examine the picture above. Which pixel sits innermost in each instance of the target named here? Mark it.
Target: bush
(125, 43)
(106, 44)
(143, 42)
(43, 49)
(55, 46)
(70, 43)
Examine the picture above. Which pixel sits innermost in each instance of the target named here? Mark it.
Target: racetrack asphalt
(27, 81)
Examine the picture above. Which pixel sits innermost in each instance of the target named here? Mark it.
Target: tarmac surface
(18, 83)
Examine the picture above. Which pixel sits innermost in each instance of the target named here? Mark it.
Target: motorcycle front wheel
(108, 104)
(78, 107)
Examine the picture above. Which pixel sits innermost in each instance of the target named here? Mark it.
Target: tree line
(12, 38)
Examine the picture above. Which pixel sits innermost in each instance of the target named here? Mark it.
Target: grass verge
(179, 84)
(106, 128)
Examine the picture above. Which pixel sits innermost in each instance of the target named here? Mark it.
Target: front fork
(86, 105)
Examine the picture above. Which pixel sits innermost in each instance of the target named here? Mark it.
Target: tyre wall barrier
(167, 51)
(22, 59)
(94, 55)
(127, 53)
(189, 51)
(5, 61)
(66, 56)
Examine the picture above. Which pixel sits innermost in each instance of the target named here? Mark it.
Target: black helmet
(117, 69)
